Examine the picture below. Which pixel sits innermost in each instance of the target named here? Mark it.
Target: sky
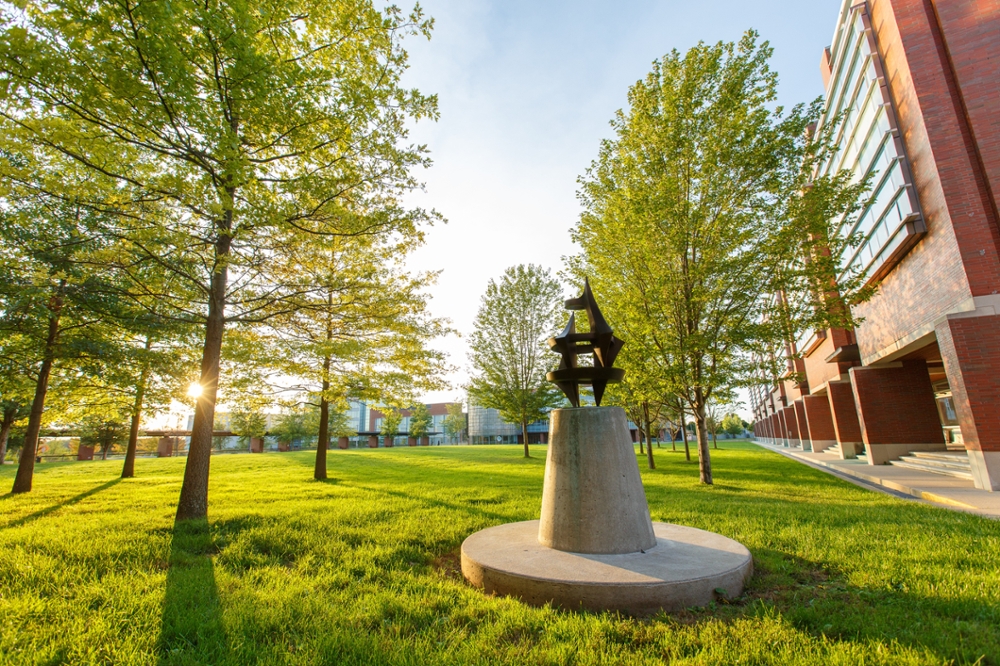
(527, 89)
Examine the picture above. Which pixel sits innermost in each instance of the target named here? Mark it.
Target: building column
(821, 431)
(372, 441)
(844, 413)
(791, 426)
(776, 429)
(897, 410)
(800, 417)
(969, 347)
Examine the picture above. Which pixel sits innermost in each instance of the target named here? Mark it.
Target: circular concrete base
(686, 568)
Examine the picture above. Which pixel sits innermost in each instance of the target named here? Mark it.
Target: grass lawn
(363, 569)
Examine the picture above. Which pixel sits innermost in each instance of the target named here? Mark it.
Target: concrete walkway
(944, 491)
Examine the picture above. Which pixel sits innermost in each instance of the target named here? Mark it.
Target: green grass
(362, 569)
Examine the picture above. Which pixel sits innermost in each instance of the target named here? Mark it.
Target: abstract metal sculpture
(600, 341)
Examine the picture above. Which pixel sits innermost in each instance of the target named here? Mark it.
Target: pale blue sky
(526, 93)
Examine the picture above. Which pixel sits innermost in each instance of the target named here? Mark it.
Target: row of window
(866, 147)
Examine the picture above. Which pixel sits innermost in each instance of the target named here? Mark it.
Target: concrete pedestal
(593, 501)
(595, 547)
(686, 568)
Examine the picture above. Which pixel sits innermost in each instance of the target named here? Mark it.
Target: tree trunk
(193, 503)
(714, 443)
(641, 436)
(26, 465)
(319, 473)
(128, 469)
(684, 434)
(104, 452)
(704, 461)
(649, 436)
(324, 425)
(524, 434)
(9, 416)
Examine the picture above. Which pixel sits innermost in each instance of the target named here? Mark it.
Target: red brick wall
(969, 39)
(844, 411)
(896, 404)
(817, 408)
(971, 351)
(791, 422)
(800, 418)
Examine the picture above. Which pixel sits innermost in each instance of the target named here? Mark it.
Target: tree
(509, 355)
(364, 333)
(732, 425)
(248, 418)
(53, 308)
(702, 208)
(252, 126)
(299, 423)
(104, 431)
(454, 422)
(420, 421)
(391, 419)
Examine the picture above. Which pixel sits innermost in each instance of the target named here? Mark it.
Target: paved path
(945, 491)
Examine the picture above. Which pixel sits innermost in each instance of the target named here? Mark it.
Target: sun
(195, 390)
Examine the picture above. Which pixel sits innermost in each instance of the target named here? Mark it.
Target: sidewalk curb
(878, 482)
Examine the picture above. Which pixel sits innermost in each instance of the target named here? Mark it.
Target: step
(944, 471)
(961, 465)
(952, 458)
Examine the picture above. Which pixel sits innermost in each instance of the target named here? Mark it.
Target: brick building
(918, 84)
(436, 435)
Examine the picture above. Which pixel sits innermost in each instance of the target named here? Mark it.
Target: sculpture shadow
(61, 505)
(192, 628)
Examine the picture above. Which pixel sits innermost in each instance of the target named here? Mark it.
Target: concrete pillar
(897, 410)
(791, 426)
(592, 499)
(425, 441)
(388, 442)
(165, 447)
(411, 441)
(343, 442)
(803, 425)
(970, 348)
(256, 445)
(372, 441)
(85, 452)
(845, 419)
(775, 429)
(821, 431)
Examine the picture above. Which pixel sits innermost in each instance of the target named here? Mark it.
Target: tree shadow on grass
(816, 599)
(192, 630)
(61, 505)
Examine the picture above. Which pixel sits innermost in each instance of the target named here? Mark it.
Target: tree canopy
(216, 138)
(701, 210)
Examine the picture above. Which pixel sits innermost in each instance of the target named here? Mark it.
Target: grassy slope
(361, 569)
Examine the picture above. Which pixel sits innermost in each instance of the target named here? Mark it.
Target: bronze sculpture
(600, 341)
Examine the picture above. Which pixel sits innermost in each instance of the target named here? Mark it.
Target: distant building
(486, 427)
(437, 432)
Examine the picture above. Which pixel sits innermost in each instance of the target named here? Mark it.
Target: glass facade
(868, 143)
(486, 427)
